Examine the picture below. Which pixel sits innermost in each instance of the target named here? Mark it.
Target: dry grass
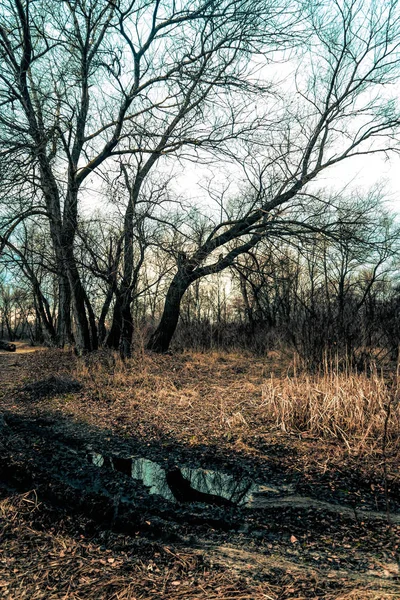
(237, 403)
(197, 398)
(214, 397)
(348, 406)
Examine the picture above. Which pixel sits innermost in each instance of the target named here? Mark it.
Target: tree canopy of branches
(90, 87)
(85, 81)
(342, 108)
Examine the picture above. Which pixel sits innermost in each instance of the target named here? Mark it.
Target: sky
(362, 173)
(354, 174)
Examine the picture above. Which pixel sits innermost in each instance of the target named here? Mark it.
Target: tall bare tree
(83, 81)
(340, 104)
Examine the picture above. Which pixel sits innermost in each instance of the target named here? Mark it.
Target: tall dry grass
(360, 409)
(209, 397)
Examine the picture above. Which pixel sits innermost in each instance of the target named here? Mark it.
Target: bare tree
(115, 78)
(341, 104)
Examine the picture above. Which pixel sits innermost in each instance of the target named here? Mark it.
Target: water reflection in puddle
(238, 491)
(152, 475)
(97, 459)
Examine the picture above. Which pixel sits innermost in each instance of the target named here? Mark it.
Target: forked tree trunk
(114, 335)
(189, 271)
(85, 329)
(161, 338)
(121, 332)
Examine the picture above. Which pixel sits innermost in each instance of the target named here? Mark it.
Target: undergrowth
(200, 397)
(358, 408)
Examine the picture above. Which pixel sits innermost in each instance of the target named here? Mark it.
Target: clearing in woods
(171, 477)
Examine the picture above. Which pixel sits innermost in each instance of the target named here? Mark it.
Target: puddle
(186, 484)
(237, 491)
(152, 476)
(193, 485)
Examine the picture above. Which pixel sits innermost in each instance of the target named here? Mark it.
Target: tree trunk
(9, 328)
(114, 334)
(94, 338)
(103, 315)
(83, 342)
(161, 338)
(64, 327)
(43, 314)
(83, 338)
(127, 284)
(127, 328)
(121, 332)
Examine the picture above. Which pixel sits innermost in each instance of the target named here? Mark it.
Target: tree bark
(83, 342)
(102, 333)
(64, 326)
(114, 334)
(43, 312)
(85, 328)
(127, 327)
(94, 338)
(123, 326)
(161, 338)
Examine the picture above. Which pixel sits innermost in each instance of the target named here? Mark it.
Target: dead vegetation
(325, 432)
(47, 555)
(200, 397)
(52, 386)
(347, 406)
(61, 562)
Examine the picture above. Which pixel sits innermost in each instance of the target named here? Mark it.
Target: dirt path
(12, 367)
(243, 561)
(11, 364)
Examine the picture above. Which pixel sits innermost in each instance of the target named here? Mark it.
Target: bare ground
(327, 525)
